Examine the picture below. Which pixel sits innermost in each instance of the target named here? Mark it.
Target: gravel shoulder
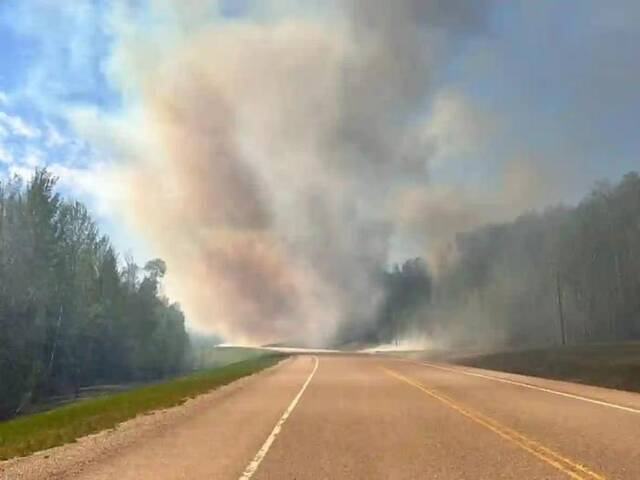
(77, 459)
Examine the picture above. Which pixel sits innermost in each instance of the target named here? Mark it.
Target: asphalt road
(369, 417)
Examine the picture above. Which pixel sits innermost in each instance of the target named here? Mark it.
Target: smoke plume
(275, 149)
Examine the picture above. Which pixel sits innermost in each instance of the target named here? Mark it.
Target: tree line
(72, 313)
(564, 275)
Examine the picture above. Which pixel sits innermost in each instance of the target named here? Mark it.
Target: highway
(334, 416)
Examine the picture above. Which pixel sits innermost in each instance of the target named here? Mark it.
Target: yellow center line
(567, 466)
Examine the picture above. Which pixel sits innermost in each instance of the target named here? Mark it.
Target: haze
(280, 156)
(319, 239)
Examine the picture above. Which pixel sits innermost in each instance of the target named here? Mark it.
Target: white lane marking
(533, 387)
(255, 463)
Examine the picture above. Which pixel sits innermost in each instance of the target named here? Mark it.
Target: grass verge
(25, 435)
(220, 356)
(605, 365)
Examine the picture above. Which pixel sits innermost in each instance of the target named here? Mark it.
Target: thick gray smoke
(273, 151)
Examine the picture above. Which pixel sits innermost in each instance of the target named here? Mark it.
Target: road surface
(370, 417)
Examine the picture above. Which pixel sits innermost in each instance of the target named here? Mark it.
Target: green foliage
(407, 290)
(565, 275)
(207, 355)
(69, 315)
(406, 294)
(32, 433)
(572, 269)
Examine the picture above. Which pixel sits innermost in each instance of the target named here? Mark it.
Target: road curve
(370, 417)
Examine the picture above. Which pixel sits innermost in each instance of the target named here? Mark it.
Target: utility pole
(563, 330)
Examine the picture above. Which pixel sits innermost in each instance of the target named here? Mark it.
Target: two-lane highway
(373, 417)
(385, 418)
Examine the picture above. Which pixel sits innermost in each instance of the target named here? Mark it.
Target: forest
(72, 311)
(567, 275)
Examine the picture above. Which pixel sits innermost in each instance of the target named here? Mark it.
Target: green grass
(220, 356)
(25, 435)
(606, 365)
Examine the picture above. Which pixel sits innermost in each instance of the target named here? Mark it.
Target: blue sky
(560, 78)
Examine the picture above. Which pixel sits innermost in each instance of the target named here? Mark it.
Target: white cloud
(5, 155)
(53, 137)
(17, 126)
(96, 184)
(33, 157)
(21, 171)
(4, 98)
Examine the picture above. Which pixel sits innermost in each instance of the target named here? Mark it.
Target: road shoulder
(72, 460)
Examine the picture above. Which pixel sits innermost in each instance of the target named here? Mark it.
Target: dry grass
(606, 365)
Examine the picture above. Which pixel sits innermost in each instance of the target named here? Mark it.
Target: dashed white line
(533, 387)
(255, 463)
